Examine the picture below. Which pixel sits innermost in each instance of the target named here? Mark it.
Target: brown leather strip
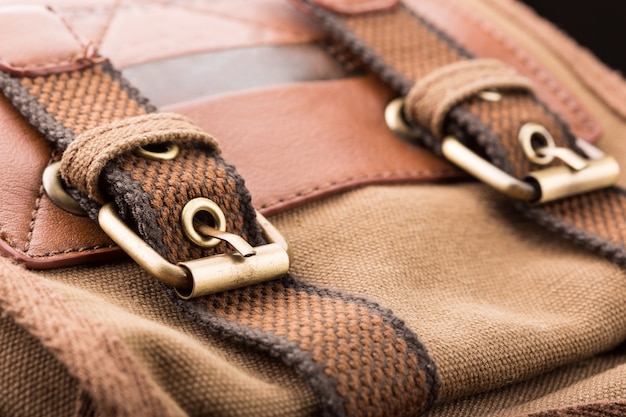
(357, 6)
(401, 47)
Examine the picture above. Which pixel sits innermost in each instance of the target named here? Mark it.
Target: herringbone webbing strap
(403, 48)
(357, 357)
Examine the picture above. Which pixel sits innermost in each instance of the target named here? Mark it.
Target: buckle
(577, 174)
(198, 277)
(193, 278)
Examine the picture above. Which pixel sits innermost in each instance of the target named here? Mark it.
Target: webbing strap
(403, 48)
(357, 357)
(149, 194)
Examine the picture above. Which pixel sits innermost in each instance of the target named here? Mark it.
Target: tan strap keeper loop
(87, 155)
(432, 97)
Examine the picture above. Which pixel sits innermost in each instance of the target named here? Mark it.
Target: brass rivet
(159, 151)
(53, 186)
(189, 215)
(490, 95)
(529, 135)
(395, 120)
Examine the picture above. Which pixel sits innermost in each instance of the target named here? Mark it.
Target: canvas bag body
(517, 320)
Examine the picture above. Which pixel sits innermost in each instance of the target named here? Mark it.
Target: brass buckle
(578, 175)
(209, 275)
(194, 278)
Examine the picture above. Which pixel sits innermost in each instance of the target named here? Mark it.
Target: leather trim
(314, 147)
(23, 53)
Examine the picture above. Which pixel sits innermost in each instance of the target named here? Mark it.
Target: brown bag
(411, 289)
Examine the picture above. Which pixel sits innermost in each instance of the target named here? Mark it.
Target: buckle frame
(540, 186)
(203, 276)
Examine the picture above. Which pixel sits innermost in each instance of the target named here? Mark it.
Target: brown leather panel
(355, 6)
(22, 50)
(485, 40)
(304, 147)
(306, 141)
(132, 33)
(32, 228)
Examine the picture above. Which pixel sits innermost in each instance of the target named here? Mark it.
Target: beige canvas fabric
(496, 300)
(27, 371)
(111, 328)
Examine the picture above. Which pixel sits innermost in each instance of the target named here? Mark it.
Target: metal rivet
(490, 95)
(159, 151)
(53, 186)
(529, 136)
(189, 216)
(395, 120)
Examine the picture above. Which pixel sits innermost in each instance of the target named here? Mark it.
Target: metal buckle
(578, 175)
(250, 265)
(209, 275)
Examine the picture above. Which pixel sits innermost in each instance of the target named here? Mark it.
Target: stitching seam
(379, 175)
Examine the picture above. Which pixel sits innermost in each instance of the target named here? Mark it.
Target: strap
(357, 357)
(405, 50)
(64, 106)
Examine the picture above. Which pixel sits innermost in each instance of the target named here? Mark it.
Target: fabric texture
(376, 368)
(64, 105)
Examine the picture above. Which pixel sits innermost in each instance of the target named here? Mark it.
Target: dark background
(599, 25)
